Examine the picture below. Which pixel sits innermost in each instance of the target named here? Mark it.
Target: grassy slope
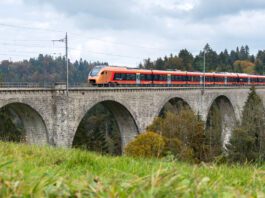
(35, 171)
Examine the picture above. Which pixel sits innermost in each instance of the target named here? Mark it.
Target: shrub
(183, 134)
(148, 144)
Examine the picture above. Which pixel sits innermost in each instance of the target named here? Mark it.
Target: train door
(169, 79)
(248, 80)
(225, 80)
(201, 80)
(138, 79)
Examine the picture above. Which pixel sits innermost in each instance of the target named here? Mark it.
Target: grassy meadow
(32, 171)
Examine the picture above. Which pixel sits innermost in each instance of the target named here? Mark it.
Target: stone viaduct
(50, 116)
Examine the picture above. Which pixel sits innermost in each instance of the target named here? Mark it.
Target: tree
(244, 66)
(186, 59)
(213, 134)
(260, 62)
(147, 144)
(244, 53)
(98, 132)
(259, 67)
(159, 64)
(11, 128)
(224, 63)
(183, 134)
(148, 64)
(247, 141)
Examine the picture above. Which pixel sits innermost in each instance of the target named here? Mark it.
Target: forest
(239, 61)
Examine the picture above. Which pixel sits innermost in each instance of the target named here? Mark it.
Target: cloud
(147, 15)
(207, 9)
(96, 14)
(118, 14)
(161, 26)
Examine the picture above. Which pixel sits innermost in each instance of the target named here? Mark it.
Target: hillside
(44, 171)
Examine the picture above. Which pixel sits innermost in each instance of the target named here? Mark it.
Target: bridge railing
(25, 85)
(52, 85)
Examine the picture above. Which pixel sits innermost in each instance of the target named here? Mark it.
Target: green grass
(31, 171)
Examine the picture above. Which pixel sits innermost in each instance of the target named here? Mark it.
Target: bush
(183, 134)
(148, 144)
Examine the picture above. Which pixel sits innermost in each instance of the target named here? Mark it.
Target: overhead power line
(23, 54)
(29, 28)
(116, 55)
(123, 44)
(25, 45)
(78, 36)
(14, 42)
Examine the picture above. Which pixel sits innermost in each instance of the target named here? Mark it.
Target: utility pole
(204, 63)
(65, 40)
(67, 69)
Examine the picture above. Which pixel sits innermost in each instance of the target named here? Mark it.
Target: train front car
(94, 75)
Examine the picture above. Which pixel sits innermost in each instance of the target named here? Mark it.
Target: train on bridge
(115, 76)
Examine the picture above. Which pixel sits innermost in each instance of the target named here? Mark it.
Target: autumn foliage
(148, 144)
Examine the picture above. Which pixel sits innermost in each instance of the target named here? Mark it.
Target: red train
(109, 75)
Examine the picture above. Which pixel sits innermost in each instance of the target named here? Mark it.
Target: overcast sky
(124, 32)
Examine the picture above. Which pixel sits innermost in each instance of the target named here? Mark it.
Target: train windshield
(95, 70)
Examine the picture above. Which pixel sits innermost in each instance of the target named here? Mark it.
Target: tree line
(239, 61)
(46, 69)
(49, 69)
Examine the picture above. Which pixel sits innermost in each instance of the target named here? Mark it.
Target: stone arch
(176, 103)
(32, 122)
(227, 116)
(124, 119)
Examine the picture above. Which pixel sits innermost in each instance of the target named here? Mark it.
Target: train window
(131, 77)
(262, 79)
(179, 78)
(142, 76)
(231, 79)
(219, 79)
(123, 76)
(156, 77)
(117, 76)
(162, 77)
(243, 80)
(148, 77)
(195, 78)
(208, 79)
(188, 78)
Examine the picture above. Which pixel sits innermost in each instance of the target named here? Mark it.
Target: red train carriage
(102, 75)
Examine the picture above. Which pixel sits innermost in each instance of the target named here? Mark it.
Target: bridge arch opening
(106, 128)
(220, 123)
(19, 122)
(174, 105)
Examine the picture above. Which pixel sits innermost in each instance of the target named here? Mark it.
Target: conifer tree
(247, 141)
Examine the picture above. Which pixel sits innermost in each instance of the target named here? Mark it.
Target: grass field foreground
(32, 171)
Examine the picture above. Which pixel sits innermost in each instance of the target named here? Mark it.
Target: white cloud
(132, 29)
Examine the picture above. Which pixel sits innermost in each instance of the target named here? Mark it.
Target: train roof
(115, 68)
(227, 74)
